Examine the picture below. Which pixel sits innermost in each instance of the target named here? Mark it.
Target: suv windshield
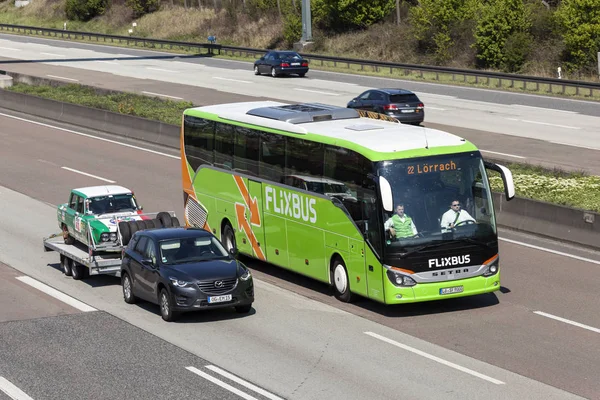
(112, 204)
(191, 250)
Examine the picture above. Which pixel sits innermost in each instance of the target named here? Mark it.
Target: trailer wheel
(65, 263)
(68, 238)
(125, 232)
(127, 285)
(175, 222)
(165, 219)
(77, 271)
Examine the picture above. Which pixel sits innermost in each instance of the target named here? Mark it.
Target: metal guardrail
(487, 78)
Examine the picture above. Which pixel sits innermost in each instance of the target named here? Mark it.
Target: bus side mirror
(386, 194)
(507, 178)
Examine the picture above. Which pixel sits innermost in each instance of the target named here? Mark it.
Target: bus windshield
(438, 200)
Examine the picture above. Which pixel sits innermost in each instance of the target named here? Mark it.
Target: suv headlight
(400, 279)
(178, 282)
(491, 266)
(244, 274)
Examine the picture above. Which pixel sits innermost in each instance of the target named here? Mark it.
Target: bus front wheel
(341, 283)
(228, 238)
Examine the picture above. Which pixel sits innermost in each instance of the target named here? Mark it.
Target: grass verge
(576, 190)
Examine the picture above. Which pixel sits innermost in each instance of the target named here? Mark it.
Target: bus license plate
(450, 290)
(219, 299)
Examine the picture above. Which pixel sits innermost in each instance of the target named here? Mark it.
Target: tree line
(501, 33)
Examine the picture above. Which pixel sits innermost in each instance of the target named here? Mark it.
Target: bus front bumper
(432, 291)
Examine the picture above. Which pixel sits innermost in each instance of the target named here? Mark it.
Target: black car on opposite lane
(184, 269)
(401, 104)
(278, 62)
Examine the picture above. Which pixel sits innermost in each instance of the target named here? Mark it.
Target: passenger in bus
(455, 216)
(400, 225)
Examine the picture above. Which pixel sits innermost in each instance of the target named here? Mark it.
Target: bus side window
(272, 158)
(199, 141)
(246, 150)
(304, 157)
(224, 145)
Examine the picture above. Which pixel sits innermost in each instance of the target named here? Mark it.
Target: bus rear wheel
(341, 283)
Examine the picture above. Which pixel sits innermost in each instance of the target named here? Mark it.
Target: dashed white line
(230, 79)
(243, 383)
(220, 383)
(435, 108)
(73, 302)
(317, 91)
(53, 54)
(162, 70)
(63, 78)
(567, 321)
(90, 136)
(544, 109)
(107, 62)
(436, 359)
(501, 154)
(12, 391)
(442, 96)
(9, 48)
(163, 95)
(86, 174)
(560, 253)
(543, 123)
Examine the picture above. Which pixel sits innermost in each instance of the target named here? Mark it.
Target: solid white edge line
(436, 359)
(161, 70)
(543, 123)
(243, 382)
(86, 174)
(73, 302)
(502, 154)
(63, 78)
(220, 383)
(560, 253)
(567, 321)
(90, 136)
(12, 391)
(544, 109)
(162, 95)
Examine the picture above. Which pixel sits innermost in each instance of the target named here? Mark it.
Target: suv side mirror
(148, 262)
(262, 59)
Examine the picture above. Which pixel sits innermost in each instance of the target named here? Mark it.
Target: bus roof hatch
(303, 113)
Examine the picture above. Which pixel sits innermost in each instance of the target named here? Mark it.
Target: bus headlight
(399, 279)
(491, 266)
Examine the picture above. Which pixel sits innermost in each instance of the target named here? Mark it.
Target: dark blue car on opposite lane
(276, 63)
(184, 269)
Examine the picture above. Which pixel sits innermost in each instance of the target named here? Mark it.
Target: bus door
(254, 218)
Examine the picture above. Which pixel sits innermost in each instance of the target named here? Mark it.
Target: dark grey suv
(401, 104)
(184, 269)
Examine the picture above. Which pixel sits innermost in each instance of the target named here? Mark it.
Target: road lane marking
(53, 54)
(441, 96)
(163, 95)
(501, 154)
(63, 78)
(73, 302)
(317, 91)
(11, 390)
(567, 321)
(560, 253)
(220, 383)
(230, 79)
(544, 109)
(90, 136)
(107, 62)
(543, 123)
(243, 382)
(436, 359)
(162, 70)
(90, 175)
(435, 108)
(575, 145)
(9, 48)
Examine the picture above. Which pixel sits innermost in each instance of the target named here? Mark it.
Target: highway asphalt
(300, 343)
(550, 131)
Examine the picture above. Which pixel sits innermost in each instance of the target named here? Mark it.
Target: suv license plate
(450, 290)
(219, 299)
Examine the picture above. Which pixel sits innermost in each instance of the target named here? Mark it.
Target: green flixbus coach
(312, 188)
